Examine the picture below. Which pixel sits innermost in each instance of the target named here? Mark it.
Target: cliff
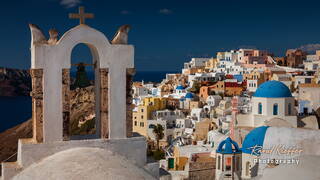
(82, 122)
(14, 82)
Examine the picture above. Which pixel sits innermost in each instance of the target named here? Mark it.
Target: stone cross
(81, 16)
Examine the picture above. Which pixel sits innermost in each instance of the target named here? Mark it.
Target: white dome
(277, 122)
(83, 163)
(308, 168)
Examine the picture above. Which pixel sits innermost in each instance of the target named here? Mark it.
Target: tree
(158, 132)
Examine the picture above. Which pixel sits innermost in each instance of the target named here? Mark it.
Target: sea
(16, 110)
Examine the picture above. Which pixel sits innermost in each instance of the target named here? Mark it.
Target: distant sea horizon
(146, 76)
(16, 110)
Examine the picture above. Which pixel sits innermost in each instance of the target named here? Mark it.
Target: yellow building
(144, 112)
(255, 75)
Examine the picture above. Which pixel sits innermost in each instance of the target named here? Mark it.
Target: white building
(272, 104)
(197, 114)
(168, 116)
(302, 80)
(167, 130)
(213, 100)
(139, 91)
(310, 93)
(196, 63)
(184, 123)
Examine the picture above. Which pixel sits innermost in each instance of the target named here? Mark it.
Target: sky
(166, 33)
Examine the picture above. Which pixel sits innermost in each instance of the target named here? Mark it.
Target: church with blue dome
(273, 89)
(272, 105)
(249, 162)
(254, 138)
(234, 162)
(272, 121)
(273, 101)
(228, 160)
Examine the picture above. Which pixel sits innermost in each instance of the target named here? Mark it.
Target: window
(219, 162)
(228, 163)
(141, 110)
(259, 108)
(275, 109)
(142, 117)
(141, 124)
(135, 123)
(289, 108)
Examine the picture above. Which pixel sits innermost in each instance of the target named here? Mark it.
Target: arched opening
(228, 163)
(260, 108)
(275, 109)
(84, 92)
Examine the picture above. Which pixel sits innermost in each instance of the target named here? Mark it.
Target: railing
(12, 158)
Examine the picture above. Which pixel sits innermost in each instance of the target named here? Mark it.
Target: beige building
(211, 64)
(284, 78)
(254, 79)
(202, 128)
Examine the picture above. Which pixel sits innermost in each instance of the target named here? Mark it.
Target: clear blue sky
(167, 33)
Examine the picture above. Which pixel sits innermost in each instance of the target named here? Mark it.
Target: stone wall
(66, 103)
(37, 104)
(104, 120)
(202, 170)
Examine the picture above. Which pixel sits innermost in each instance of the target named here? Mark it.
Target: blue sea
(146, 76)
(15, 110)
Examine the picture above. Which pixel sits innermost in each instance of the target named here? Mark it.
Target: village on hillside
(205, 119)
(241, 114)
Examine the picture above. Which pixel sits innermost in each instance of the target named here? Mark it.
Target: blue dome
(225, 147)
(189, 95)
(254, 138)
(179, 87)
(273, 89)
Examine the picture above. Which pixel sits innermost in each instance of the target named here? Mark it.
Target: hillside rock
(82, 122)
(14, 82)
(82, 111)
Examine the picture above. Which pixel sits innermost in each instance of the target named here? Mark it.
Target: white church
(111, 153)
(275, 148)
(270, 153)
(272, 105)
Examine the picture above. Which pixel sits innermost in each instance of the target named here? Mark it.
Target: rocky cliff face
(82, 111)
(82, 122)
(14, 82)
